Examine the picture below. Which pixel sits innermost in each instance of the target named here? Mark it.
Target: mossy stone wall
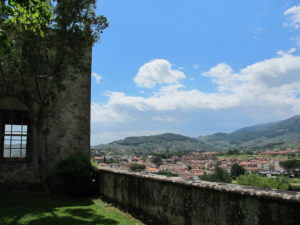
(173, 201)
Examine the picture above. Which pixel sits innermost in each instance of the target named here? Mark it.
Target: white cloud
(155, 72)
(105, 114)
(293, 15)
(260, 92)
(171, 98)
(97, 77)
(289, 52)
(260, 77)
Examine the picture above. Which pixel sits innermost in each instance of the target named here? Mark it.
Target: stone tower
(26, 145)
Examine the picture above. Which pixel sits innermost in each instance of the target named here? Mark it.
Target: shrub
(264, 182)
(137, 167)
(77, 176)
(236, 170)
(219, 175)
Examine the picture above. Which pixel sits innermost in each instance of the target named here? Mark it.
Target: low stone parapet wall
(174, 201)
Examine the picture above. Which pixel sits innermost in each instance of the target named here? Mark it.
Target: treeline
(238, 174)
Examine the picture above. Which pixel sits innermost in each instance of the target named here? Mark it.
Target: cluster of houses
(200, 163)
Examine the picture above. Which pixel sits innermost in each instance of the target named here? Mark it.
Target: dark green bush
(237, 170)
(137, 167)
(77, 176)
(219, 175)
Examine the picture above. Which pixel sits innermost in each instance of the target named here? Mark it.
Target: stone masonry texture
(173, 201)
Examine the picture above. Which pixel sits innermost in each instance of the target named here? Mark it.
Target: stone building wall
(69, 124)
(70, 132)
(173, 201)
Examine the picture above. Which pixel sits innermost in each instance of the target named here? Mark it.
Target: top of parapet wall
(289, 196)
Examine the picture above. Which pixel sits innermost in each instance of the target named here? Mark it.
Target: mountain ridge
(275, 135)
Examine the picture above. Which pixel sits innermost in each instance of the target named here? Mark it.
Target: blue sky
(194, 67)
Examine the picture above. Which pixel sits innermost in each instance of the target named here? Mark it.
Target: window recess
(14, 135)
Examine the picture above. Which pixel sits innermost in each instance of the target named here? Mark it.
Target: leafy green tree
(236, 170)
(156, 160)
(31, 15)
(137, 167)
(233, 152)
(111, 160)
(219, 175)
(290, 165)
(264, 182)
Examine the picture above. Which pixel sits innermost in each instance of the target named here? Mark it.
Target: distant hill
(278, 135)
(153, 144)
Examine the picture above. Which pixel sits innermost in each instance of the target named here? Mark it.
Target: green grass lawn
(57, 210)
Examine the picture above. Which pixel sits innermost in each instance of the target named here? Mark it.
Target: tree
(219, 175)
(233, 152)
(156, 160)
(137, 167)
(31, 15)
(38, 39)
(290, 165)
(236, 170)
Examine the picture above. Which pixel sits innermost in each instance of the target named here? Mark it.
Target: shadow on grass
(85, 213)
(69, 220)
(50, 210)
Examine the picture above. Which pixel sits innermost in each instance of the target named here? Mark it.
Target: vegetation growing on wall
(44, 43)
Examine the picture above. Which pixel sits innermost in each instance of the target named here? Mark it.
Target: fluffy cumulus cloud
(264, 91)
(293, 15)
(158, 71)
(273, 82)
(262, 77)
